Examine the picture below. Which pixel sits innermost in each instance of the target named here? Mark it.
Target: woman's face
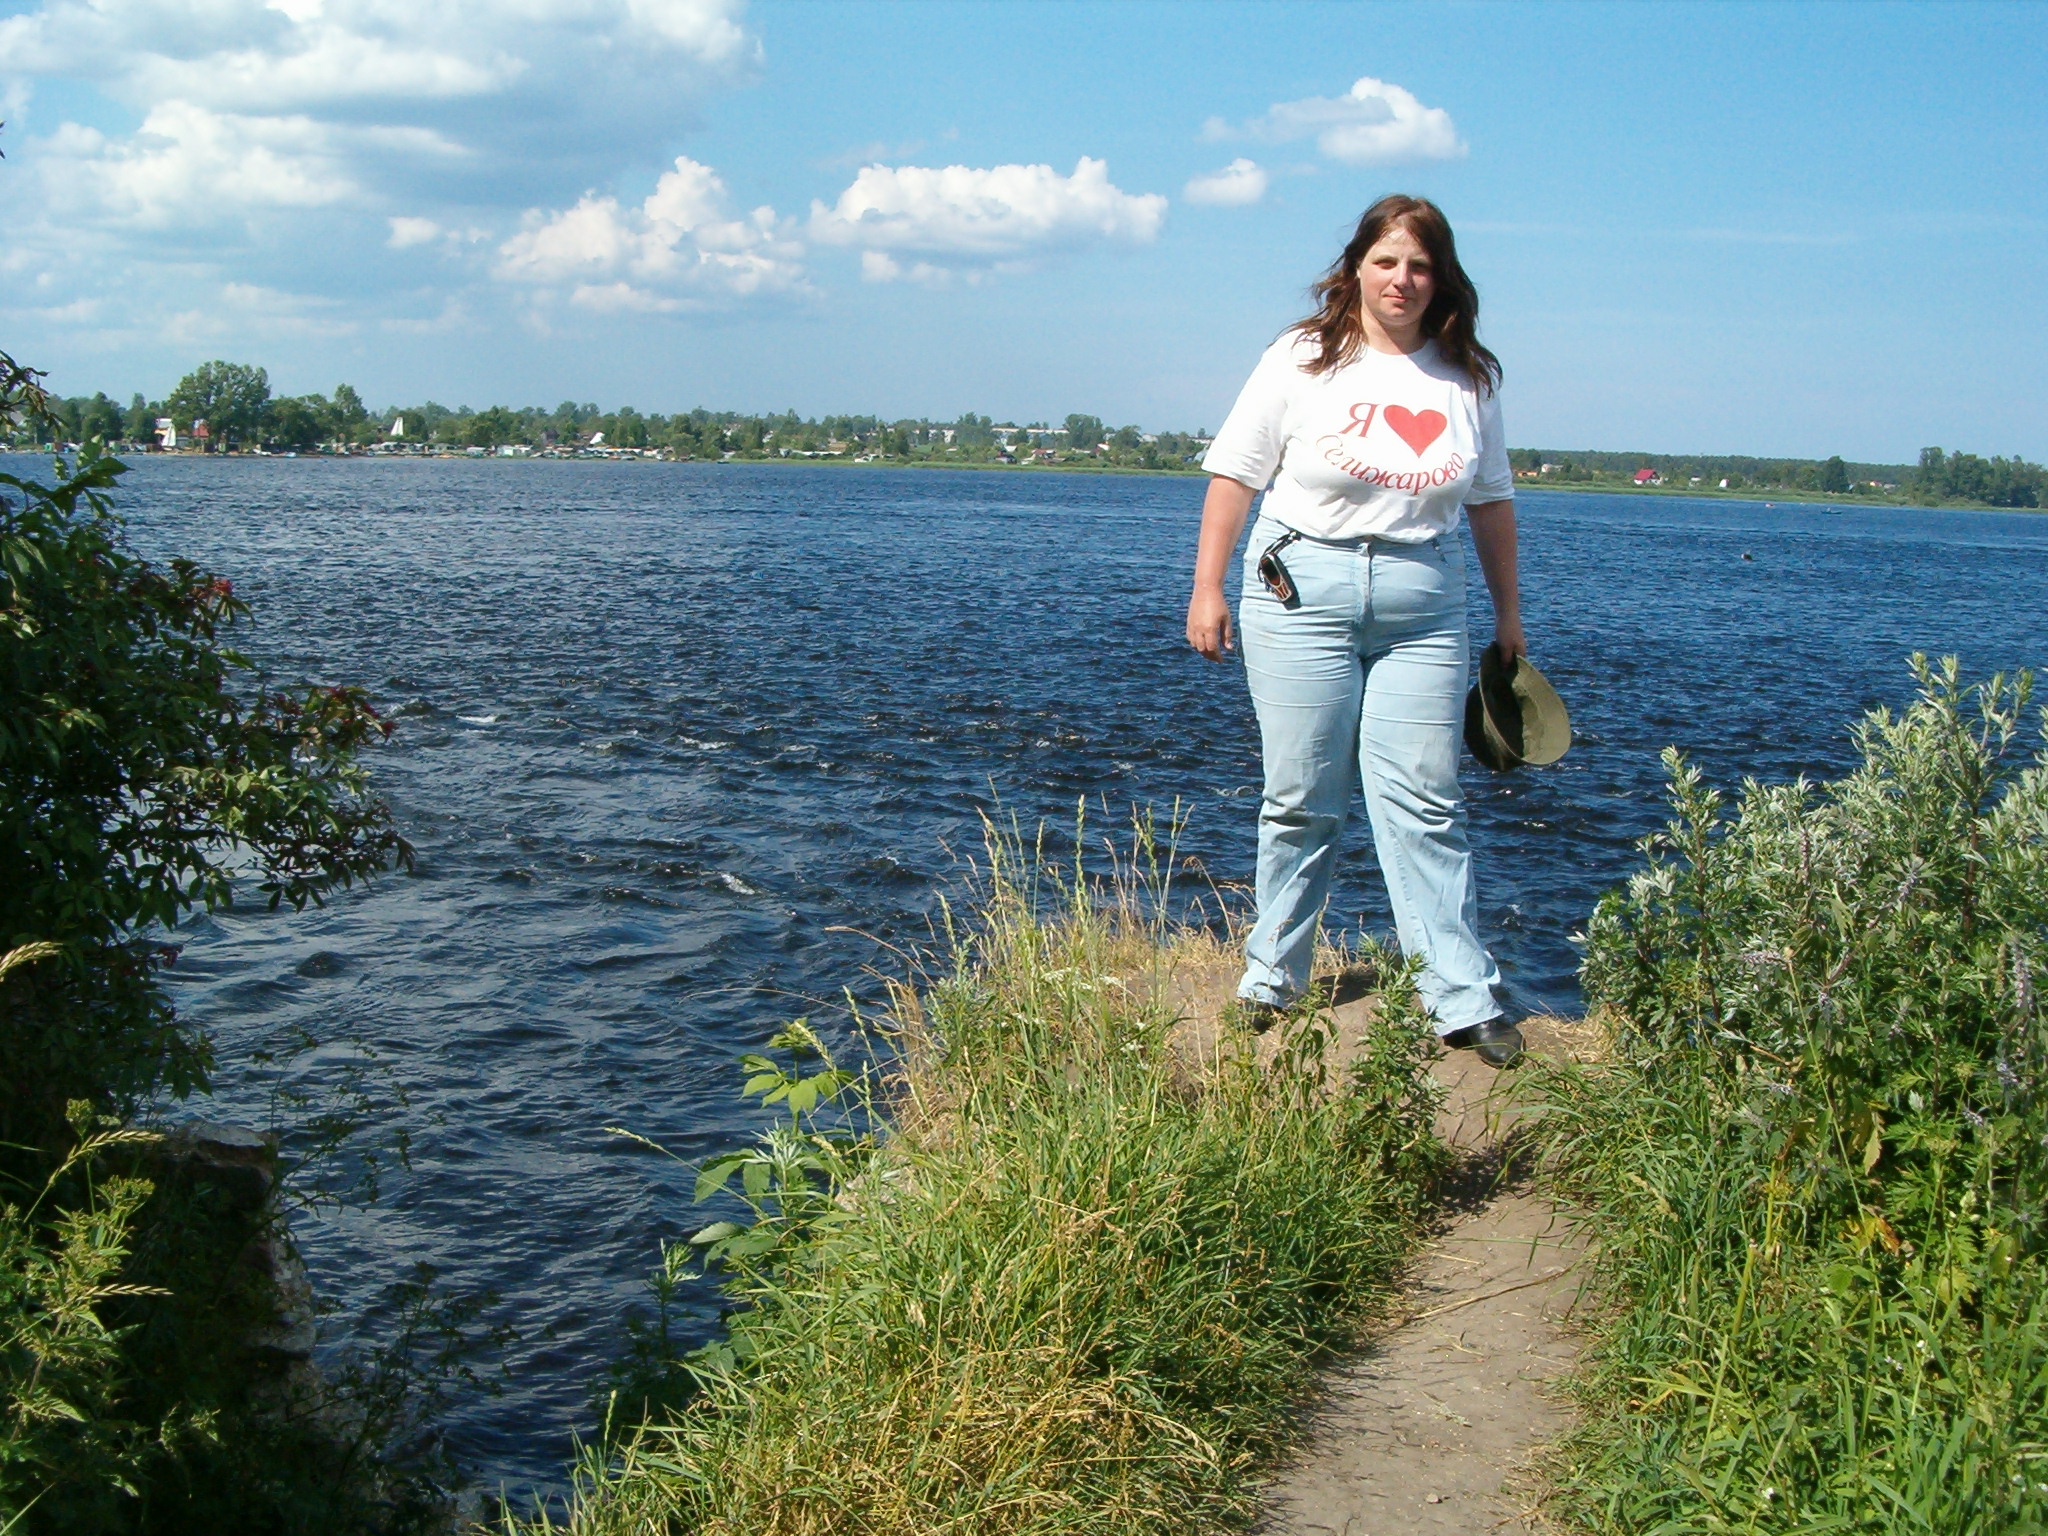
(1397, 281)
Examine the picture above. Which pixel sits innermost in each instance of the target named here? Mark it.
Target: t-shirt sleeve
(1248, 447)
(1494, 479)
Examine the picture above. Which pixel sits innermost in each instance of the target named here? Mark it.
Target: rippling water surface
(681, 743)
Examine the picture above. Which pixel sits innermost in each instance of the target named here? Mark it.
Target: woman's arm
(1493, 535)
(1223, 515)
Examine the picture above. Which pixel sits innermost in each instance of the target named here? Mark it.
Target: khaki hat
(1513, 716)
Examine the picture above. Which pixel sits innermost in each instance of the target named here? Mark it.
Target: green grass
(1817, 1161)
(1072, 1282)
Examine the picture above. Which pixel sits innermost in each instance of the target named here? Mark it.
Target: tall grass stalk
(1070, 1277)
(1817, 1161)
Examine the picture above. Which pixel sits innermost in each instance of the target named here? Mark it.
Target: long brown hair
(1452, 319)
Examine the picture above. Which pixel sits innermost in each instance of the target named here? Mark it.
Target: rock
(290, 1339)
(241, 1163)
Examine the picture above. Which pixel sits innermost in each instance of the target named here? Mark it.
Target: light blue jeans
(1364, 680)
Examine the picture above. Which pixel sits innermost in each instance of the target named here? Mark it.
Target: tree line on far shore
(240, 413)
(1939, 477)
(235, 402)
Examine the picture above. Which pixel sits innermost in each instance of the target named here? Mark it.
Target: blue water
(685, 749)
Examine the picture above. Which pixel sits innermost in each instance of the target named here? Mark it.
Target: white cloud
(253, 56)
(677, 248)
(612, 298)
(592, 236)
(329, 67)
(323, 143)
(1374, 123)
(306, 102)
(186, 165)
(881, 267)
(1237, 185)
(190, 166)
(709, 29)
(985, 218)
(408, 232)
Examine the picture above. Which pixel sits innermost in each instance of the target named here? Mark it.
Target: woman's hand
(1209, 628)
(1507, 634)
(1223, 515)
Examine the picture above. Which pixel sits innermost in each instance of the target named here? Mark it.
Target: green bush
(59, 1269)
(1816, 1162)
(134, 776)
(140, 777)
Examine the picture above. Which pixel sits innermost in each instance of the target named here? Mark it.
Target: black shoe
(1498, 1042)
(1258, 1017)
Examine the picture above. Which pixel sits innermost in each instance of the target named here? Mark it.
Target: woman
(1375, 422)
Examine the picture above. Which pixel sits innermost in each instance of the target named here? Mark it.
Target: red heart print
(1418, 429)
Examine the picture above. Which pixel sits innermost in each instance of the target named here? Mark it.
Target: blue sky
(1799, 229)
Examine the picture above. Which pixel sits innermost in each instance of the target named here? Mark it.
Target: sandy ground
(1428, 1428)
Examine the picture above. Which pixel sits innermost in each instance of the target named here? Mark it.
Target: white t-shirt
(1389, 445)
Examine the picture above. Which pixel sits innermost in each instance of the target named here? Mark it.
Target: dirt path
(1426, 1428)
(1424, 1431)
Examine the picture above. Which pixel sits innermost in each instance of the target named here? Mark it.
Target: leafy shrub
(59, 1361)
(133, 779)
(1818, 1160)
(137, 783)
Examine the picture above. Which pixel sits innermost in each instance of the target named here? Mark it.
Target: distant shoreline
(835, 461)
